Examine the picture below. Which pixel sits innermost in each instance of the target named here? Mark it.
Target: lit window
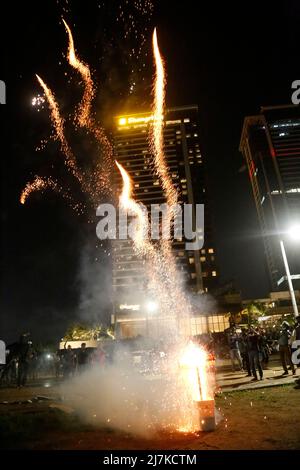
(210, 250)
(203, 251)
(136, 185)
(191, 260)
(214, 273)
(202, 258)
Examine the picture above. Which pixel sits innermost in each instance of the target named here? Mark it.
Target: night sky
(230, 60)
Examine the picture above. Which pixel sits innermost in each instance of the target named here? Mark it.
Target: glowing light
(122, 121)
(134, 209)
(294, 232)
(151, 306)
(157, 128)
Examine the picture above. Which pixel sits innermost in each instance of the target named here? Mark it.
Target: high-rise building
(270, 144)
(186, 168)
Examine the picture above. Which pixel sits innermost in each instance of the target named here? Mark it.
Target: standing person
(99, 356)
(264, 347)
(296, 337)
(82, 358)
(234, 350)
(244, 350)
(57, 364)
(284, 348)
(68, 362)
(254, 350)
(23, 358)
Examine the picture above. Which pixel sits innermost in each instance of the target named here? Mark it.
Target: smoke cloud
(117, 396)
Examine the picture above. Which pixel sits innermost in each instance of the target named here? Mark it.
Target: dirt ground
(253, 419)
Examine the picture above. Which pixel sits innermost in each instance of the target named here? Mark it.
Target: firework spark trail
(85, 119)
(142, 245)
(37, 184)
(89, 90)
(40, 184)
(58, 123)
(160, 164)
(157, 137)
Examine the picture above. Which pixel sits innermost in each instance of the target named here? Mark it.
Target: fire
(195, 363)
(135, 209)
(157, 127)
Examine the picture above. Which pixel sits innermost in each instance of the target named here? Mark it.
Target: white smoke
(117, 396)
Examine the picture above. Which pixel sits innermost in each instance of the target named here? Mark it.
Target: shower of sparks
(158, 123)
(134, 208)
(38, 184)
(58, 124)
(195, 361)
(85, 118)
(89, 92)
(41, 184)
(164, 283)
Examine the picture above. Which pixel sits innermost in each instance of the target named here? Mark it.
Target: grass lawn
(255, 419)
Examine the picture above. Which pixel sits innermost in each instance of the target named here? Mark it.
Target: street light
(294, 234)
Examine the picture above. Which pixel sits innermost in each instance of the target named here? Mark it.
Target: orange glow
(83, 69)
(135, 209)
(195, 362)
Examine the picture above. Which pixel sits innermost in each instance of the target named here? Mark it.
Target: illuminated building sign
(123, 121)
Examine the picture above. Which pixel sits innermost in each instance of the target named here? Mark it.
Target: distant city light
(38, 102)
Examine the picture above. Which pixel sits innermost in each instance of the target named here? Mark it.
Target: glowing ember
(38, 184)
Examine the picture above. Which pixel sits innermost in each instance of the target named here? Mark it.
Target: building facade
(187, 170)
(270, 144)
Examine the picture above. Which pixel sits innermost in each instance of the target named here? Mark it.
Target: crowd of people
(250, 349)
(24, 362)
(69, 362)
